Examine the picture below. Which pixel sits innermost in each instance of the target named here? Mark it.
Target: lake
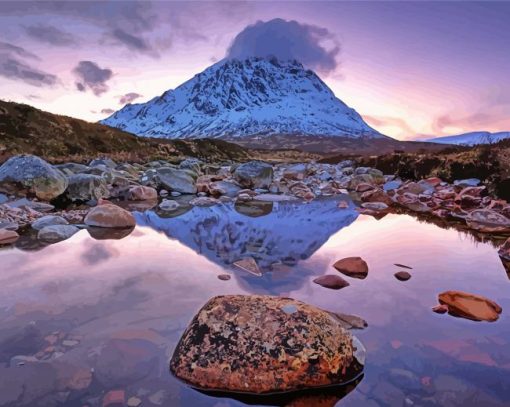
(95, 314)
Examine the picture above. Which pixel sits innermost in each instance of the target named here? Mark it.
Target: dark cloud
(129, 97)
(313, 46)
(50, 34)
(12, 67)
(131, 41)
(107, 111)
(91, 76)
(14, 50)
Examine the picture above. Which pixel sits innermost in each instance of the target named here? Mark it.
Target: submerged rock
(354, 267)
(109, 216)
(470, 306)
(34, 175)
(264, 344)
(48, 220)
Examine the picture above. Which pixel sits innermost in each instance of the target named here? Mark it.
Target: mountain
(255, 97)
(473, 138)
(27, 130)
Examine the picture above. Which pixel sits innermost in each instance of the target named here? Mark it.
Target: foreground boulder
(254, 174)
(264, 344)
(470, 306)
(109, 216)
(34, 175)
(353, 267)
(173, 179)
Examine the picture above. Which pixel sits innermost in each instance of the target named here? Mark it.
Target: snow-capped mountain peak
(253, 97)
(473, 138)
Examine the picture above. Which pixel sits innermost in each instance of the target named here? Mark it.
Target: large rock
(57, 233)
(109, 216)
(352, 266)
(173, 179)
(254, 174)
(85, 187)
(142, 193)
(470, 306)
(488, 221)
(264, 344)
(34, 175)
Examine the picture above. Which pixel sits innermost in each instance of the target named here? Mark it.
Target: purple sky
(410, 68)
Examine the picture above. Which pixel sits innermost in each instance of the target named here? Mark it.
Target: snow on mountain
(473, 138)
(236, 98)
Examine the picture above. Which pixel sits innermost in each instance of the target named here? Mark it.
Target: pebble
(402, 275)
(224, 277)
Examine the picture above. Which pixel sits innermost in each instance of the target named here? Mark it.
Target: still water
(90, 315)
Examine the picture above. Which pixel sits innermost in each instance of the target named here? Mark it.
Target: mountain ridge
(472, 138)
(238, 98)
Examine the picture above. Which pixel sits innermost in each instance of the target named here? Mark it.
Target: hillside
(25, 129)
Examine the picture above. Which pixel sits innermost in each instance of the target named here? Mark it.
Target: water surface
(112, 311)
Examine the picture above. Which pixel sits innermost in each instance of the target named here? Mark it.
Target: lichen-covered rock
(264, 344)
(254, 174)
(488, 221)
(109, 216)
(34, 175)
(85, 187)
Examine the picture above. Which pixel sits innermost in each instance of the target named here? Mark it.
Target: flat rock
(486, 220)
(402, 275)
(264, 344)
(250, 265)
(353, 267)
(470, 306)
(8, 236)
(57, 233)
(109, 216)
(331, 281)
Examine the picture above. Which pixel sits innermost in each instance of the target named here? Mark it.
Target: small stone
(343, 204)
(114, 398)
(169, 205)
(402, 275)
(134, 402)
(331, 281)
(224, 277)
(250, 265)
(354, 267)
(440, 309)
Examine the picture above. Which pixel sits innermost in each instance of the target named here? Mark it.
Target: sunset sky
(410, 69)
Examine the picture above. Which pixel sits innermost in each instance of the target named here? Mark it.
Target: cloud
(406, 132)
(12, 67)
(107, 111)
(315, 47)
(91, 76)
(51, 35)
(133, 42)
(128, 98)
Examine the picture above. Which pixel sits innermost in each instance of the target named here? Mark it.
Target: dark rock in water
(224, 277)
(440, 309)
(402, 275)
(353, 267)
(254, 209)
(85, 187)
(264, 344)
(34, 175)
(331, 281)
(470, 306)
(98, 233)
(254, 174)
(403, 266)
(350, 321)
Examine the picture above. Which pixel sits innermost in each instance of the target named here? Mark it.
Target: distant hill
(473, 138)
(25, 129)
